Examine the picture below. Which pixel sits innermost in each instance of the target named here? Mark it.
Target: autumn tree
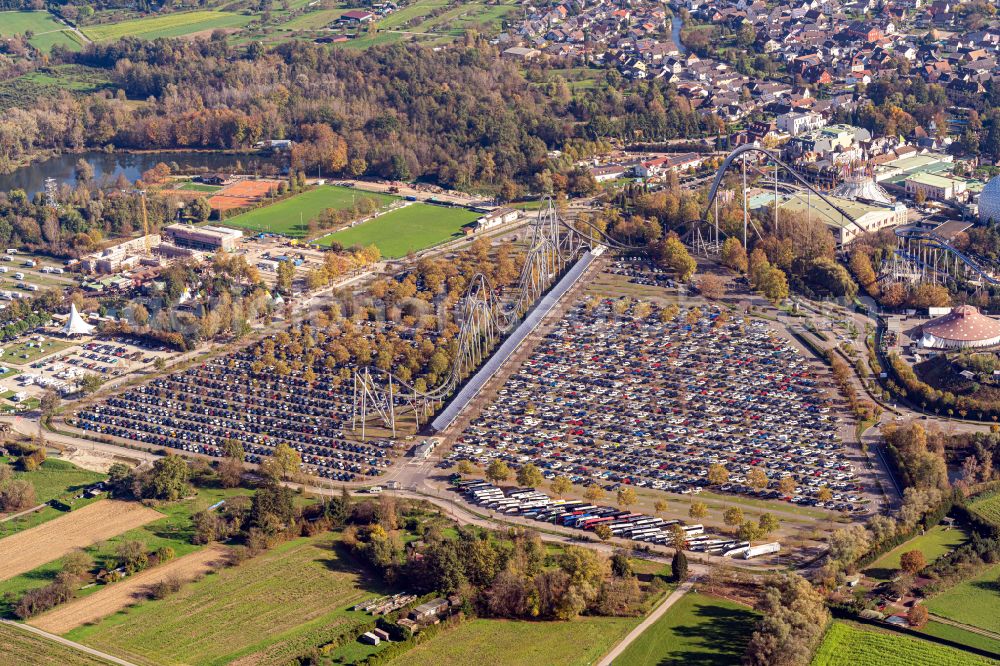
(497, 471)
(627, 497)
(734, 255)
(917, 616)
(561, 485)
(793, 620)
(529, 476)
(757, 479)
(912, 561)
(733, 516)
(717, 474)
(712, 286)
(594, 494)
(698, 510)
(660, 506)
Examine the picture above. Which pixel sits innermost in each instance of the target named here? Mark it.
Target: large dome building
(989, 202)
(961, 328)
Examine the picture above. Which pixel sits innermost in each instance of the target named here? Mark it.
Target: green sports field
(414, 227)
(933, 543)
(269, 610)
(973, 602)
(177, 24)
(506, 643)
(48, 32)
(291, 216)
(697, 629)
(850, 645)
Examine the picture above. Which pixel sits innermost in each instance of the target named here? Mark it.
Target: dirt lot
(241, 194)
(115, 597)
(32, 548)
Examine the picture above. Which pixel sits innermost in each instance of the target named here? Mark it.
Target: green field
(270, 609)
(962, 636)
(696, 630)
(55, 478)
(199, 187)
(934, 543)
(507, 643)
(291, 216)
(415, 227)
(75, 78)
(28, 352)
(48, 32)
(18, 646)
(987, 507)
(973, 602)
(848, 645)
(178, 24)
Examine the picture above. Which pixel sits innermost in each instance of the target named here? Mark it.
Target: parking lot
(613, 399)
(241, 397)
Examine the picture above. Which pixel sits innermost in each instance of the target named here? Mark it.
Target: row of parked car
(613, 400)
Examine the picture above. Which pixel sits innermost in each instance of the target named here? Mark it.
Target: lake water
(31, 178)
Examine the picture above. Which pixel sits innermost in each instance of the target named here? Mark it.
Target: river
(31, 178)
(676, 23)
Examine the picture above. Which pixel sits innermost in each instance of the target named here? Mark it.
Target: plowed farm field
(117, 596)
(101, 520)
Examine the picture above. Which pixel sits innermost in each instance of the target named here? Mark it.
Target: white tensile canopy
(75, 325)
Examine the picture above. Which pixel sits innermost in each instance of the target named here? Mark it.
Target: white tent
(75, 325)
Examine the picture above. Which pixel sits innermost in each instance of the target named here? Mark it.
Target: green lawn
(199, 187)
(962, 636)
(510, 643)
(18, 646)
(849, 645)
(30, 351)
(696, 630)
(270, 609)
(414, 227)
(987, 507)
(175, 530)
(48, 32)
(178, 24)
(934, 543)
(55, 478)
(291, 216)
(973, 602)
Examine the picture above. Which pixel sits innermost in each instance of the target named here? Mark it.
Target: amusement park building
(961, 328)
(864, 217)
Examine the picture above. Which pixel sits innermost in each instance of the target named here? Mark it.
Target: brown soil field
(49, 541)
(117, 596)
(241, 194)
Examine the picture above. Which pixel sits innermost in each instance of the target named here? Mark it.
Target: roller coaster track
(486, 318)
(713, 191)
(933, 240)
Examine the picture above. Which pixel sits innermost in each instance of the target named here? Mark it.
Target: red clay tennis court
(241, 194)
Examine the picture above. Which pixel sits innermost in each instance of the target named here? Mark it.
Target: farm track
(49, 541)
(117, 596)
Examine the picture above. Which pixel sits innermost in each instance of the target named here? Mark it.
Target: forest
(462, 117)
